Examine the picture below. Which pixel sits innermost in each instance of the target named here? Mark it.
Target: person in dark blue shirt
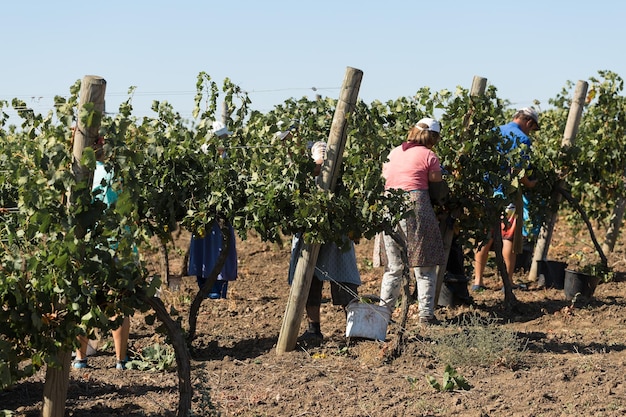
(204, 250)
(516, 135)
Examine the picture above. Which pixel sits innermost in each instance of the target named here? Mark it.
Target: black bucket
(579, 285)
(454, 291)
(524, 260)
(551, 274)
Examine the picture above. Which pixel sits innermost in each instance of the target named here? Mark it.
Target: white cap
(530, 112)
(318, 151)
(432, 125)
(219, 129)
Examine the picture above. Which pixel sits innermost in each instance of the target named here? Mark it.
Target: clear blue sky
(280, 49)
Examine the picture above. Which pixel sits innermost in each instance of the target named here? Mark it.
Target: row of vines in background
(54, 283)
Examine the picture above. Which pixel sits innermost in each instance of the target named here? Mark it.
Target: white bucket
(367, 319)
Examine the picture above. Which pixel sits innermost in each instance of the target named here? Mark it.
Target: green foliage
(154, 358)
(283, 197)
(451, 380)
(468, 152)
(605, 273)
(594, 166)
(183, 183)
(547, 164)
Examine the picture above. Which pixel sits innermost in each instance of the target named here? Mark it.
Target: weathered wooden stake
(328, 178)
(571, 129)
(57, 379)
(479, 85)
(92, 90)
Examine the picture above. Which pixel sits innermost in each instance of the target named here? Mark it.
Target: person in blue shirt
(204, 250)
(516, 134)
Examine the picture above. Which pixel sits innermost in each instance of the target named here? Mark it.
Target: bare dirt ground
(573, 362)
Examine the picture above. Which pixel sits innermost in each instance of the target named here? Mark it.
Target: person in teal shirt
(102, 190)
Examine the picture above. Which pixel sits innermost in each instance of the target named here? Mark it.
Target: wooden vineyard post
(57, 379)
(92, 90)
(479, 85)
(328, 178)
(571, 129)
